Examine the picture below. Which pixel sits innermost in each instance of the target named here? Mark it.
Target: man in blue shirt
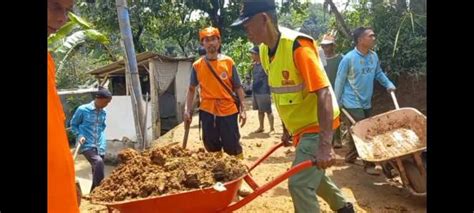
(354, 84)
(262, 101)
(88, 124)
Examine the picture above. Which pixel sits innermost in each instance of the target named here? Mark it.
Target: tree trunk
(182, 48)
(109, 52)
(217, 20)
(136, 39)
(340, 21)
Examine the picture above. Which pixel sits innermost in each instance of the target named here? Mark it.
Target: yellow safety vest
(296, 106)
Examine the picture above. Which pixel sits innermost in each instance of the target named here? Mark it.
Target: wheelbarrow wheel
(387, 170)
(417, 181)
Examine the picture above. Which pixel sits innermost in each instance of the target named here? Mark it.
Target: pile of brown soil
(165, 170)
(411, 92)
(395, 143)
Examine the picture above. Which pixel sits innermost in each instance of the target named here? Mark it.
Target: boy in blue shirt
(88, 124)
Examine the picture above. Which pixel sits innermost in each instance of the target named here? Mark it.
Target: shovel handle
(78, 146)
(186, 133)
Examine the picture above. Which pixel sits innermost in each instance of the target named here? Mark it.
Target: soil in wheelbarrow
(394, 143)
(166, 170)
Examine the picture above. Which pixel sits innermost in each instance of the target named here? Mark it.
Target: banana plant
(74, 22)
(405, 16)
(66, 43)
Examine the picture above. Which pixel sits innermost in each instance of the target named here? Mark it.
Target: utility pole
(131, 70)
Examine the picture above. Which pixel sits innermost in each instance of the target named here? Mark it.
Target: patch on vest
(224, 75)
(286, 78)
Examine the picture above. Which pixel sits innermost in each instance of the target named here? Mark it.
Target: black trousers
(97, 165)
(220, 133)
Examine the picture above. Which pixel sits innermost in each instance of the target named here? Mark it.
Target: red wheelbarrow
(206, 199)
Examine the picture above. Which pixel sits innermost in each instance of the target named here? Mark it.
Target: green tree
(401, 33)
(238, 50)
(293, 18)
(104, 15)
(317, 22)
(76, 34)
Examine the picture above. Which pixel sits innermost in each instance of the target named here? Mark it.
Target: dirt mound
(411, 92)
(166, 170)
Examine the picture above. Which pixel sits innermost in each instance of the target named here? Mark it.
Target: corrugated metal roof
(142, 58)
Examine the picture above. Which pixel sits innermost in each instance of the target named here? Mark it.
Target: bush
(238, 50)
(403, 54)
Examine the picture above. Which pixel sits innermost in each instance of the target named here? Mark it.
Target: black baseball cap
(103, 93)
(251, 8)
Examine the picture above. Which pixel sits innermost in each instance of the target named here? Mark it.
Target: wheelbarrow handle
(265, 156)
(394, 98)
(269, 185)
(348, 115)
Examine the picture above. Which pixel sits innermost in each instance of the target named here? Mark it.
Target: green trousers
(358, 114)
(337, 138)
(305, 185)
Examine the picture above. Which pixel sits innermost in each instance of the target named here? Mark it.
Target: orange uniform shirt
(214, 98)
(307, 62)
(61, 175)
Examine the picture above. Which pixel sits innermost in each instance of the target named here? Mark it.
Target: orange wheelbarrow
(206, 199)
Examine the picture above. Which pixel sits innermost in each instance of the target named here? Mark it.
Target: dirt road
(368, 193)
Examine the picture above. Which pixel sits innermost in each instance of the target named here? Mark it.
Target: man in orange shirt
(217, 77)
(304, 100)
(61, 184)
